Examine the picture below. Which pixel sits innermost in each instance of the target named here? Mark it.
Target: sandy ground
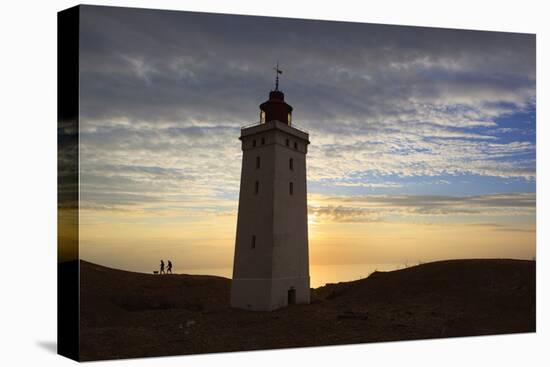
(126, 314)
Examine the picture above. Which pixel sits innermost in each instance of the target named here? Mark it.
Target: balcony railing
(251, 125)
(294, 126)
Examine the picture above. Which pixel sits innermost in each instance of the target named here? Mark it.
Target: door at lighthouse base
(292, 296)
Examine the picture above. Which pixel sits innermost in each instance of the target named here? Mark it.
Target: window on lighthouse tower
(290, 118)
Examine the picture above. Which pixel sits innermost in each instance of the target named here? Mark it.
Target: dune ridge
(126, 314)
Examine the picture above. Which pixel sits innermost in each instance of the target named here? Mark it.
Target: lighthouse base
(269, 294)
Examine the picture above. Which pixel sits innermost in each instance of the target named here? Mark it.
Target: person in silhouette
(169, 268)
(162, 267)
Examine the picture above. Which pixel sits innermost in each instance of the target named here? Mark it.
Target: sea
(319, 274)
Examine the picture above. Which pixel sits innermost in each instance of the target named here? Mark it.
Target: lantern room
(276, 108)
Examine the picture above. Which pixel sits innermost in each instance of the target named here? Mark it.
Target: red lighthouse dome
(275, 108)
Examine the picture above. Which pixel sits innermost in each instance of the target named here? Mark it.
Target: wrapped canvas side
(68, 183)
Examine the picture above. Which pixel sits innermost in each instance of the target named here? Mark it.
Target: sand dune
(126, 314)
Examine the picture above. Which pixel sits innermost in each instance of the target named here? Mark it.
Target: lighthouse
(271, 263)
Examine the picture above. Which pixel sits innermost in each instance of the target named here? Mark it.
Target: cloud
(344, 214)
(499, 227)
(369, 208)
(163, 95)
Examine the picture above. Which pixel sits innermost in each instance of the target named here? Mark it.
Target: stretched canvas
(235, 183)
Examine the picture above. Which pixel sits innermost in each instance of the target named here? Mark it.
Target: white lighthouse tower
(271, 264)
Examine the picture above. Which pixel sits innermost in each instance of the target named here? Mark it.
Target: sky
(422, 139)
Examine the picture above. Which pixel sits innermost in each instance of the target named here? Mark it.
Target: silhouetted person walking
(169, 268)
(162, 267)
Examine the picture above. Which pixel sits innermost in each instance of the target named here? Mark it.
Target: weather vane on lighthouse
(277, 72)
